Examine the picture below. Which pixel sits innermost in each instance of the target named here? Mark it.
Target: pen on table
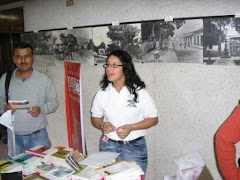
(108, 173)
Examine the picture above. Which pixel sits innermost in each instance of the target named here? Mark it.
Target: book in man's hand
(22, 104)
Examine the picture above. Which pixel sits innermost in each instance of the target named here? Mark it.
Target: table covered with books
(64, 163)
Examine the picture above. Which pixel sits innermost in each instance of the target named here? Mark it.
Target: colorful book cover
(34, 177)
(61, 173)
(62, 153)
(23, 159)
(43, 169)
(7, 166)
(38, 151)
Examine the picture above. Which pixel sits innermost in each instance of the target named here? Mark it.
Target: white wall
(193, 99)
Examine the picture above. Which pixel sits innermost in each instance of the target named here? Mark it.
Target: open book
(74, 159)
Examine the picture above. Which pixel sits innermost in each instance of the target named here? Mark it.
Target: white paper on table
(99, 159)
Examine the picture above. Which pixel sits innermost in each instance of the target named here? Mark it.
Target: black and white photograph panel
(74, 44)
(221, 41)
(125, 37)
(156, 46)
(43, 47)
(179, 41)
(187, 41)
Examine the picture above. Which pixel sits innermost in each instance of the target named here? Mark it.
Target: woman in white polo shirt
(123, 110)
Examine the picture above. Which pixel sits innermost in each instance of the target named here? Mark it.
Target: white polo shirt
(120, 109)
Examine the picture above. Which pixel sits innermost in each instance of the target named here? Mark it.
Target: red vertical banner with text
(74, 106)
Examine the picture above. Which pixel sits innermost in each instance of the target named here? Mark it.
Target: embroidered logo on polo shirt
(131, 103)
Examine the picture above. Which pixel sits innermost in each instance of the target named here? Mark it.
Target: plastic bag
(189, 167)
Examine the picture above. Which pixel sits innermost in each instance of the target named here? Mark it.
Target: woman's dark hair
(132, 80)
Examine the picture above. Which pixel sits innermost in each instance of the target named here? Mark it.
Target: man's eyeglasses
(27, 56)
(112, 65)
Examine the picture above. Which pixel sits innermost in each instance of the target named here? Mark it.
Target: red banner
(73, 106)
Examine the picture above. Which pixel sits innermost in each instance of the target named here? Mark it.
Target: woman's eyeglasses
(112, 65)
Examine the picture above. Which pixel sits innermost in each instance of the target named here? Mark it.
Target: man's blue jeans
(29, 141)
(136, 151)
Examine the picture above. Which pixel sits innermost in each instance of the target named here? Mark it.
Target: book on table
(121, 170)
(7, 166)
(42, 169)
(74, 159)
(60, 173)
(34, 176)
(87, 173)
(11, 176)
(60, 156)
(101, 158)
(62, 153)
(41, 151)
(24, 159)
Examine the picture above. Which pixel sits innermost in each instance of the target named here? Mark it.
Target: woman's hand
(106, 127)
(123, 131)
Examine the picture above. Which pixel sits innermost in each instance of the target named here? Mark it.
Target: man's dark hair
(132, 80)
(23, 45)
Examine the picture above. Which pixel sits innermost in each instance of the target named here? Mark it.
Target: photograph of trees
(108, 38)
(74, 44)
(43, 46)
(212, 41)
(221, 42)
(179, 41)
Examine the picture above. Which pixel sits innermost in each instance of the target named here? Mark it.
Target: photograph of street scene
(179, 41)
(212, 41)
(74, 44)
(221, 44)
(108, 38)
(43, 47)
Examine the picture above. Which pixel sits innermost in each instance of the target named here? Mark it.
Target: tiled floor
(3, 150)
